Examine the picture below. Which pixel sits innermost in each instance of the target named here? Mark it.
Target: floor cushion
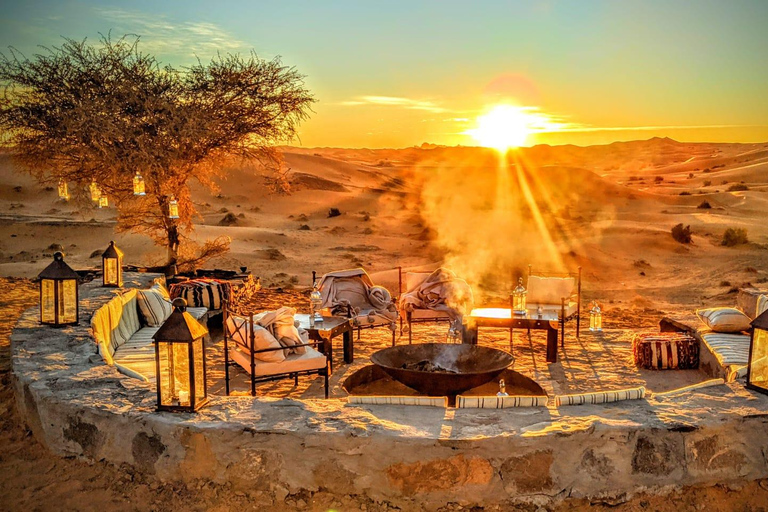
(666, 351)
(727, 320)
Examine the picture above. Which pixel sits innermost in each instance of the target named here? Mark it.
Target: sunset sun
(503, 127)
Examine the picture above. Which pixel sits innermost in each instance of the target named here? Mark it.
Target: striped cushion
(209, 293)
(762, 305)
(730, 350)
(724, 319)
(154, 306)
(428, 401)
(666, 351)
(600, 397)
(500, 402)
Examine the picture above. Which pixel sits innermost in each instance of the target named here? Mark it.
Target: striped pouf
(666, 351)
(203, 292)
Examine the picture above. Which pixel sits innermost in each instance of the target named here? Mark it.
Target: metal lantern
(58, 293)
(315, 303)
(518, 298)
(63, 190)
(138, 185)
(173, 208)
(757, 370)
(95, 191)
(103, 201)
(112, 266)
(180, 362)
(595, 318)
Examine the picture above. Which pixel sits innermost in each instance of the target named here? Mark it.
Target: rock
(228, 220)
(333, 212)
(301, 503)
(280, 493)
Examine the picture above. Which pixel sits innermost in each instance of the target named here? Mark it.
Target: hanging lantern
(518, 298)
(757, 369)
(63, 190)
(95, 191)
(103, 201)
(180, 362)
(595, 318)
(173, 208)
(112, 266)
(138, 185)
(58, 293)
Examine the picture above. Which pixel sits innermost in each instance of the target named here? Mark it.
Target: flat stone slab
(77, 405)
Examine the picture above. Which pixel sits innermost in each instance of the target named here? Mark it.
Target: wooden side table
(503, 317)
(325, 331)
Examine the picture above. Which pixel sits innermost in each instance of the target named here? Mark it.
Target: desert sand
(608, 209)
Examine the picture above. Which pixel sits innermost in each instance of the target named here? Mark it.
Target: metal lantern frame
(63, 190)
(595, 318)
(59, 282)
(518, 298)
(112, 266)
(103, 201)
(758, 353)
(139, 188)
(95, 191)
(180, 339)
(173, 208)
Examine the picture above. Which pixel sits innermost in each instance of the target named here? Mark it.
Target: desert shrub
(737, 187)
(682, 233)
(333, 212)
(734, 236)
(690, 175)
(633, 178)
(304, 227)
(658, 179)
(707, 170)
(707, 183)
(685, 193)
(704, 205)
(725, 283)
(724, 182)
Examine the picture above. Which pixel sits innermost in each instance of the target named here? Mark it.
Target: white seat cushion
(428, 314)
(197, 313)
(729, 349)
(310, 360)
(138, 353)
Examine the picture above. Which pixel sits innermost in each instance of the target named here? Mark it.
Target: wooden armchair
(409, 281)
(266, 364)
(558, 292)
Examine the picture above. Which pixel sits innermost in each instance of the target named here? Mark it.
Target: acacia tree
(85, 113)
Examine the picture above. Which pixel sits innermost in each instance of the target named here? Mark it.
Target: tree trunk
(173, 248)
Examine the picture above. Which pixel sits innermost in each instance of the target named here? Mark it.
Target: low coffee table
(325, 331)
(503, 317)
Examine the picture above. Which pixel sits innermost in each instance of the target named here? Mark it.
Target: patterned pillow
(724, 319)
(154, 307)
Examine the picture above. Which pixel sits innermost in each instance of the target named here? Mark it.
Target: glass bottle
(595, 318)
(315, 305)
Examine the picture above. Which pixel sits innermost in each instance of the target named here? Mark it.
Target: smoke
(492, 215)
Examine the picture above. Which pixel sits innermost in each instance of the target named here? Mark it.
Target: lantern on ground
(757, 370)
(63, 190)
(112, 266)
(103, 201)
(173, 208)
(595, 318)
(138, 185)
(180, 362)
(58, 293)
(518, 298)
(95, 191)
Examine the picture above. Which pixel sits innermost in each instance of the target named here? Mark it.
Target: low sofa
(123, 332)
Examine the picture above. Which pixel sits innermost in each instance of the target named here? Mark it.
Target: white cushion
(724, 319)
(137, 355)
(549, 290)
(762, 305)
(263, 339)
(414, 279)
(197, 313)
(310, 360)
(729, 349)
(154, 306)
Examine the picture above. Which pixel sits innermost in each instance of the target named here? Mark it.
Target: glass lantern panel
(518, 302)
(199, 354)
(47, 301)
(110, 271)
(63, 190)
(758, 370)
(138, 185)
(173, 209)
(174, 374)
(68, 301)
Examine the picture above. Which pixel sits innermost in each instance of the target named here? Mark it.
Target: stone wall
(78, 406)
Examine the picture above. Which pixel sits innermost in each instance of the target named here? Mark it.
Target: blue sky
(401, 73)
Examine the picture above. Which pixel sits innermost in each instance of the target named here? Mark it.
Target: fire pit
(437, 369)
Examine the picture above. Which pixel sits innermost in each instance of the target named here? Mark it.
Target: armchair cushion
(263, 339)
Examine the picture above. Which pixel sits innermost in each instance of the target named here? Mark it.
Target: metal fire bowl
(474, 366)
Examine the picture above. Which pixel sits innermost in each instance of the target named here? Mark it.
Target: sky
(401, 73)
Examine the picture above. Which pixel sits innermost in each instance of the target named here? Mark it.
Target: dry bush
(734, 236)
(736, 187)
(704, 205)
(682, 233)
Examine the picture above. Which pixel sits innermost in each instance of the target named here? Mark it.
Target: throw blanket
(441, 291)
(352, 294)
(281, 325)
